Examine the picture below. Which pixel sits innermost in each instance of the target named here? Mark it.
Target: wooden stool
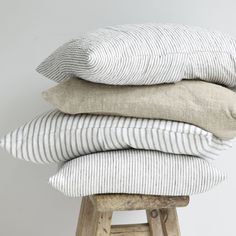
(96, 214)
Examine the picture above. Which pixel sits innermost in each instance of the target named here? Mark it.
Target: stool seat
(96, 215)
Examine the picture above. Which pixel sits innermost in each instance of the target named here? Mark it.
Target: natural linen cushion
(56, 137)
(136, 172)
(145, 54)
(209, 106)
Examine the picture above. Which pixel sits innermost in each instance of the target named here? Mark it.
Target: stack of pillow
(140, 109)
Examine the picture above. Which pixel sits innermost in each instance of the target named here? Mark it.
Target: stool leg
(169, 218)
(155, 222)
(86, 225)
(103, 220)
(163, 222)
(91, 222)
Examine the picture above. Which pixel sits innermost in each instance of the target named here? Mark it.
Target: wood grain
(130, 230)
(86, 225)
(155, 222)
(170, 219)
(103, 221)
(96, 215)
(124, 202)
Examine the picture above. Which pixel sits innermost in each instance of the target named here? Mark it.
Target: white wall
(29, 31)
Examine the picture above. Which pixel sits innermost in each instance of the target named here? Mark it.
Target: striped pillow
(56, 137)
(145, 54)
(136, 172)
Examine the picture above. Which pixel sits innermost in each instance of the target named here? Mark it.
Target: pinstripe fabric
(145, 54)
(136, 172)
(56, 137)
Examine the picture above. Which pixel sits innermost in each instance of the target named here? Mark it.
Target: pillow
(136, 172)
(209, 106)
(56, 137)
(145, 54)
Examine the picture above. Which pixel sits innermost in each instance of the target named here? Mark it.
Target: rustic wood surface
(103, 221)
(171, 223)
(124, 202)
(86, 224)
(155, 222)
(130, 230)
(96, 215)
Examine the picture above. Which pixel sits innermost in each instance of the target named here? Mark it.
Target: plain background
(29, 31)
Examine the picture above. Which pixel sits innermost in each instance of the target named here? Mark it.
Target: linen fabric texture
(145, 54)
(55, 137)
(209, 106)
(136, 172)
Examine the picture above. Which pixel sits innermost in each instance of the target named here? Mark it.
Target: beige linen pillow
(209, 106)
